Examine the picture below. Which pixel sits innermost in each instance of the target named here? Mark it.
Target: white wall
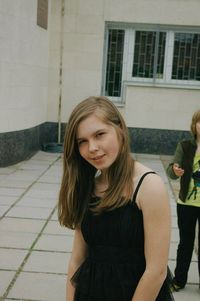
(54, 61)
(24, 48)
(83, 42)
(83, 35)
(83, 51)
(175, 12)
(160, 108)
(30, 61)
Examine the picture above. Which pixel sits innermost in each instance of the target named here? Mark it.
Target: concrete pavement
(34, 249)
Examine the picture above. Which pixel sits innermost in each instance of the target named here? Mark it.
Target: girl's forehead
(94, 120)
(90, 125)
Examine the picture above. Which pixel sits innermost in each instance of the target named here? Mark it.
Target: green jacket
(184, 155)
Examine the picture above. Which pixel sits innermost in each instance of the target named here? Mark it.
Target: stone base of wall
(155, 141)
(20, 145)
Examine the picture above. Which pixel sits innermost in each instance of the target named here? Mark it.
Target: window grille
(114, 62)
(186, 59)
(145, 60)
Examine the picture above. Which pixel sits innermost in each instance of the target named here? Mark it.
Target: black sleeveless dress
(116, 258)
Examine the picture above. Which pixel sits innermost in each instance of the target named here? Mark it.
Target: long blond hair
(78, 175)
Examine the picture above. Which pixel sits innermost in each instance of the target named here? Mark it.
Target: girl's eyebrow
(96, 132)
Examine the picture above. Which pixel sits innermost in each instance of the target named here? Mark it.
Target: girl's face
(98, 142)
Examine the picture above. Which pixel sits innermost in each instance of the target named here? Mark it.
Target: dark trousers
(187, 219)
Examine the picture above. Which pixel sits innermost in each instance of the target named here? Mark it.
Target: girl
(186, 165)
(118, 208)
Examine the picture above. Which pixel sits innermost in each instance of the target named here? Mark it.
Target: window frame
(128, 56)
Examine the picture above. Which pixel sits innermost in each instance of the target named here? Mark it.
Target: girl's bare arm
(79, 253)
(154, 203)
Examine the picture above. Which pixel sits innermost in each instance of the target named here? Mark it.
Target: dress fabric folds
(116, 260)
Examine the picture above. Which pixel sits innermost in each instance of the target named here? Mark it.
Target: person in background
(119, 209)
(186, 166)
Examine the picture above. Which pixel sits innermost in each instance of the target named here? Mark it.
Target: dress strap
(140, 182)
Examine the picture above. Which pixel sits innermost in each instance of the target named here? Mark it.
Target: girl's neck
(102, 177)
(101, 184)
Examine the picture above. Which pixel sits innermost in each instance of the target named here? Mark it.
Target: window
(160, 56)
(146, 43)
(186, 58)
(114, 62)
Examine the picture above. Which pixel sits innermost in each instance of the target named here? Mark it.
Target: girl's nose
(93, 146)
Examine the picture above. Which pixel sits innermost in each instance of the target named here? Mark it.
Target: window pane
(161, 54)
(114, 62)
(186, 59)
(144, 54)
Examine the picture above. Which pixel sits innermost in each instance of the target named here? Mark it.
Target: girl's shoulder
(152, 180)
(140, 169)
(152, 187)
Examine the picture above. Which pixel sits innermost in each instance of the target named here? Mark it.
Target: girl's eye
(80, 142)
(100, 134)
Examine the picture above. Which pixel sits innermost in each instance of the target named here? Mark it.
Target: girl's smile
(98, 158)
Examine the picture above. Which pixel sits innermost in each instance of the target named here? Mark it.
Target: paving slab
(31, 166)
(27, 201)
(37, 193)
(29, 212)
(58, 243)
(174, 235)
(15, 183)
(52, 187)
(11, 259)
(39, 286)
(55, 216)
(47, 262)
(8, 200)
(3, 209)
(44, 156)
(11, 224)
(25, 175)
(174, 221)
(53, 227)
(6, 277)
(11, 191)
(17, 240)
(8, 170)
(49, 178)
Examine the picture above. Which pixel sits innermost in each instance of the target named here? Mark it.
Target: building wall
(174, 12)
(83, 36)
(83, 45)
(23, 66)
(55, 56)
(160, 108)
(24, 58)
(41, 70)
